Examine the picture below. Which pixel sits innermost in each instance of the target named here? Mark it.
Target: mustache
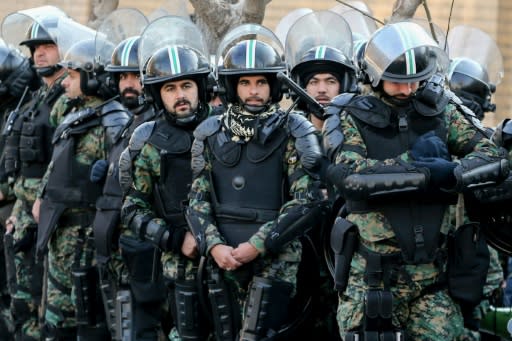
(130, 91)
(182, 102)
(254, 98)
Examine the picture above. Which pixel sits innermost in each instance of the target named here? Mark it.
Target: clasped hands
(229, 258)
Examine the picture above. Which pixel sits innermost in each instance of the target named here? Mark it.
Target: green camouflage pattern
(25, 191)
(432, 317)
(71, 246)
(283, 266)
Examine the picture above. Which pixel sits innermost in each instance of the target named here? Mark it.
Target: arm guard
(297, 221)
(162, 236)
(364, 186)
(494, 194)
(197, 228)
(480, 172)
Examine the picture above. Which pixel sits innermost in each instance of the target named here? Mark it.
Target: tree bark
(100, 9)
(216, 17)
(404, 9)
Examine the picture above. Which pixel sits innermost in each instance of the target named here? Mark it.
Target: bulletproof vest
(171, 191)
(249, 184)
(69, 182)
(388, 132)
(108, 205)
(34, 135)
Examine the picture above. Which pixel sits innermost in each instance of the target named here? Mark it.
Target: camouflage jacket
(374, 229)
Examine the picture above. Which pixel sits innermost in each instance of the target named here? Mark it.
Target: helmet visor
(402, 40)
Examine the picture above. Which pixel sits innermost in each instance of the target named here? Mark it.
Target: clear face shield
(169, 31)
(470, 42)
(317, 29)
(118, 26)
(283, 26)
(401, 40)
(21, 26)
(247, 32)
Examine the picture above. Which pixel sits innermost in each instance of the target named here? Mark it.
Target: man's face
(323, 87)
(46, 55)
(400, 91)
(72, 84)
(180, 97)
(130, 88)
(253, 90)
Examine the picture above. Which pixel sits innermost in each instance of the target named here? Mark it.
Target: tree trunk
(216, 17)
(404, 9)
(100, 9)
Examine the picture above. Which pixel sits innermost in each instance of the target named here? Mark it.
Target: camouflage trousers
(69, 247)
(26, 300)
(430, 316)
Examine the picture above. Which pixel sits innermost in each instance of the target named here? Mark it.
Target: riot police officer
(473, 76)
(319, 51)
(124, 69)
(396, 173)
(251, 190)
(155, 171)
(16, 75)
(27, 153)
(66, 202)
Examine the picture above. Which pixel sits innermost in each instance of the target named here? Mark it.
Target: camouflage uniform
(28, 274)
(71, 244)
(282, 265)
(422, 313)
(141, 200)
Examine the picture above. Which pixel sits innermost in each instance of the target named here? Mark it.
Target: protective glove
(429, 145)
(98, 171)
(27, 242)
(441, 171)
(475, 107)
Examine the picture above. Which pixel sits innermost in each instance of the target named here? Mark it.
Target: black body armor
(416, 220)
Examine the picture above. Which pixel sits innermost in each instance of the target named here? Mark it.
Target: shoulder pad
(125, 170)
(115, 118)
(141, 135)
(332, 135)
(502, 135)
(371, 110)
(299, 125)
(207, 128)
(111, 107)
(339, 103)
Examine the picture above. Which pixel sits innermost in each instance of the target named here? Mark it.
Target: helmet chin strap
(47, 71)
(255, 109)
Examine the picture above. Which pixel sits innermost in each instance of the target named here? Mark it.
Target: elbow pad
(479, 172)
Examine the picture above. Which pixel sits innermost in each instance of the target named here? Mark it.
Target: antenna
(360, 11)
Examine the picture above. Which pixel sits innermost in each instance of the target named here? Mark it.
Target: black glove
(27, 242)
(441, 171)
(98, 171)
(429, 145)
(475, 107)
